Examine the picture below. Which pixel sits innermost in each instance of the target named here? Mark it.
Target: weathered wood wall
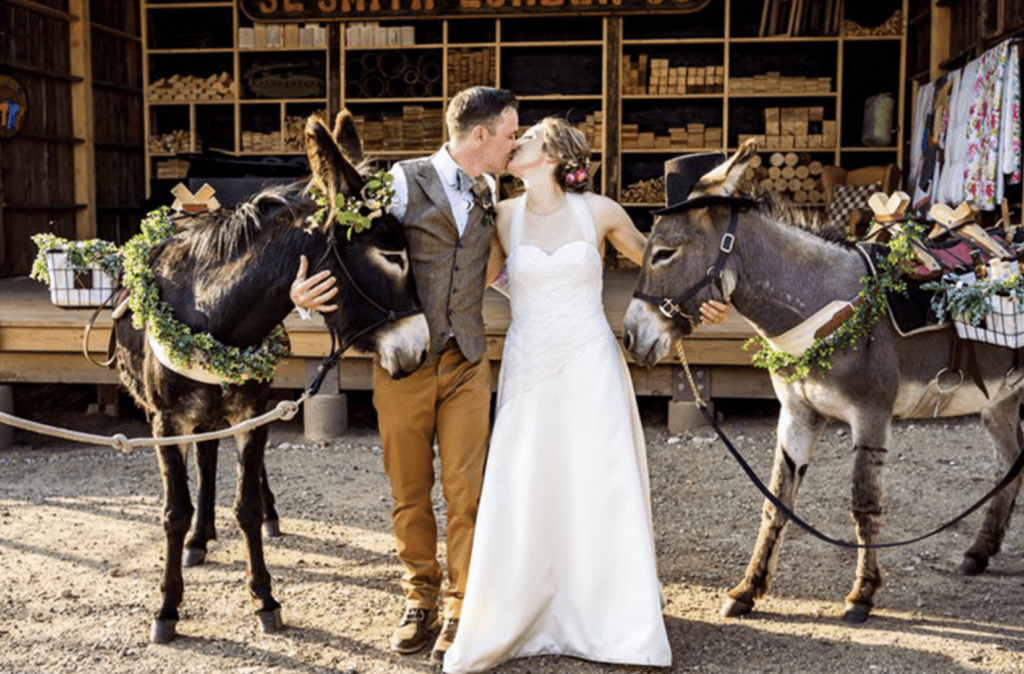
(117, 116)
(976, 25)
(37, 165)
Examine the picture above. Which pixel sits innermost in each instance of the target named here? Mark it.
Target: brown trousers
(447, 398)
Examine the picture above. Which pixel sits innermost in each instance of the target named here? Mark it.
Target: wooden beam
(939, 42)
(80, 36)
(48, 11)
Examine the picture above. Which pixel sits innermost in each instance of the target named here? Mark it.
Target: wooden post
(82, 113)
(683, 412)
(6, 405)
(325, 415)
(611, 166)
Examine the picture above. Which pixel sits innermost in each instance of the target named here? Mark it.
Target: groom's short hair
(477, 106)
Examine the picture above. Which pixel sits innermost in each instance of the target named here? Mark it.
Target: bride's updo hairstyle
(569, 146)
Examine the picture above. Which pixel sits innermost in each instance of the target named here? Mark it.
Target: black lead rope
(1011, 475)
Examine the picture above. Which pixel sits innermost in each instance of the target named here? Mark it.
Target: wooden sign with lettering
(361, 10)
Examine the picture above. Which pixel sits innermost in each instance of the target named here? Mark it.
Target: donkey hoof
(194, 557)
(973, 566)
(163, 631)
(734, 608)
(271, 528)
(270, 621)
(856, 614)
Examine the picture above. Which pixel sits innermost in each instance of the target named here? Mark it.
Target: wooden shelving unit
(202, 39)
(569, 66)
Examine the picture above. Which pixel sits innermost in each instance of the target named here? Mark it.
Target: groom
(448, 398)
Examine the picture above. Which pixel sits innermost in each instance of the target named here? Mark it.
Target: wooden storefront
(139, 96)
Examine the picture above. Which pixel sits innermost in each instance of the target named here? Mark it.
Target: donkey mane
(785, 211)
(226, 235)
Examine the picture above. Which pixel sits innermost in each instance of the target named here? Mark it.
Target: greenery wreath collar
(183, 346)
(866, 309)
(186, 349)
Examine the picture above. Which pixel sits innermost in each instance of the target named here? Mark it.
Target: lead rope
(1010, 476)
(285, 409)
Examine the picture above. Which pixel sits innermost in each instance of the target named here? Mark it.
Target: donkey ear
(329, 166)
(723, 179)
(347, 138)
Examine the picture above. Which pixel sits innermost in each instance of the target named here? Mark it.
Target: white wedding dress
(563, 555)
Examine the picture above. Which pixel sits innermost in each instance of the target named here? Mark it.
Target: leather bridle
(340, 344)
(672, 307)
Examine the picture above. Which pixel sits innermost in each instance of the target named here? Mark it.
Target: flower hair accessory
(575, 172)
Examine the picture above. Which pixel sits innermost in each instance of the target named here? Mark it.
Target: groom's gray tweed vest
(450, 271)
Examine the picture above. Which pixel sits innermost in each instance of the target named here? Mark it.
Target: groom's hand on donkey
(315, 292)
(714, 311)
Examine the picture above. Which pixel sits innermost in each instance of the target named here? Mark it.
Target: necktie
(482, 192)
(463, 181)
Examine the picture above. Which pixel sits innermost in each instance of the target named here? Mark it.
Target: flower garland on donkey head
(355, 212)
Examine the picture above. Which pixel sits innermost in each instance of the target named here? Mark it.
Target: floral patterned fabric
(983, 174)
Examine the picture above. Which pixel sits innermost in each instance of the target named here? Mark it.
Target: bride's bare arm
(617, 226)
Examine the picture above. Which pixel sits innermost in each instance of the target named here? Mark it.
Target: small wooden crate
(70, 288)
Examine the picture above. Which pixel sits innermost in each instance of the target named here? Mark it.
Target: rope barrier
(285, 410)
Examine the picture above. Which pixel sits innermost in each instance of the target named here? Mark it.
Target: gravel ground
(81, 556)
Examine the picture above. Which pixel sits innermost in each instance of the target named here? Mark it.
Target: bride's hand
(714, 311)
(314, 292)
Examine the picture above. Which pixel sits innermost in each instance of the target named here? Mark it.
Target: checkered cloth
(848, 198)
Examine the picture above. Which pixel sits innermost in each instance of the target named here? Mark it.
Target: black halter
(339, 346)
(671, 307)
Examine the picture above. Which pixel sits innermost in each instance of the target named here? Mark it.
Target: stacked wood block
(692, 136)
(418, 128)
(775, 83)
(592, 127)
(470, 67)
(173, 142)
(262, 141)
(797, 176)
(796, 128)
(892, 27)
(657, 76)
(645, 192)
(372, 34)
(172, 169)
(286, 36)
(192, 88)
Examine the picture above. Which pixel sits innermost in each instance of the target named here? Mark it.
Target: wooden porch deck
(42, 343)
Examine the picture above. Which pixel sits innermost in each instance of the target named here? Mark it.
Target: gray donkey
(776, 276)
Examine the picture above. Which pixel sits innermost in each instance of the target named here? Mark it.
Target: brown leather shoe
(413, 631)
(444, 640)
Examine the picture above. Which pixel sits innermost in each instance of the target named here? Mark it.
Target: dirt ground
(81, 552)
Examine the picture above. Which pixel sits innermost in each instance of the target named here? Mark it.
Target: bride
(563, 558)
